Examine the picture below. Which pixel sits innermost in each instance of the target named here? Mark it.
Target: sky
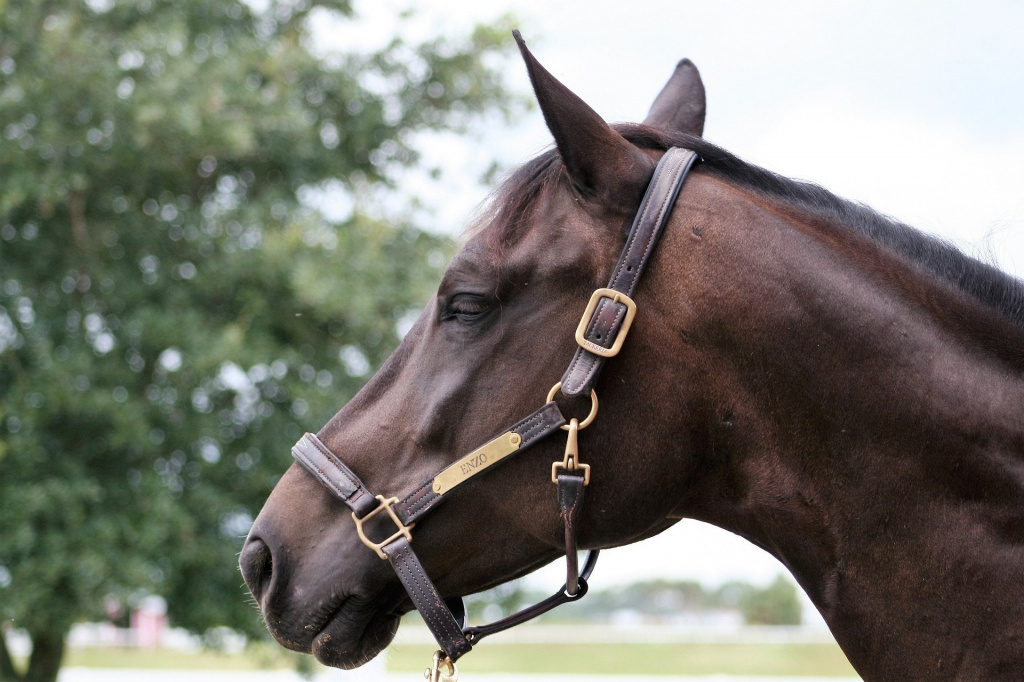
(913, 108)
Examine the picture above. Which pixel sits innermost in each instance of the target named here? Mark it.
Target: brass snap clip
(571, 460)
(434, 672)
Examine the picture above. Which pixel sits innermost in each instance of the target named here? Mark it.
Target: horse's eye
(467, 308)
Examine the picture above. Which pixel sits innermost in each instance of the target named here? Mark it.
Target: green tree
(174, 309)
(777, 604)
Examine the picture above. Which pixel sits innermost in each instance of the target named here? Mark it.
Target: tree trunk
(47, 655)
(7, 671)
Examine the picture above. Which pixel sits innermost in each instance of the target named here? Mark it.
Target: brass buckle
(620, 338)
(385, 505)
(571, 460)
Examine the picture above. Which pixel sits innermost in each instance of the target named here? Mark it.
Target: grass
(262, 656)
(823, 660)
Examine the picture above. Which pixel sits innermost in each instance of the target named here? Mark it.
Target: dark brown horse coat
(837, 388)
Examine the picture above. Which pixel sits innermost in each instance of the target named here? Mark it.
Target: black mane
(509, 208)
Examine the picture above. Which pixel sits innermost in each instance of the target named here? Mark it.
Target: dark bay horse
(836, 387)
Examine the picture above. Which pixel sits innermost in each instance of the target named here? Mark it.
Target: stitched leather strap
(650, 220)
(318, 460)
(436, 614)
(531, 429)
(571, 486)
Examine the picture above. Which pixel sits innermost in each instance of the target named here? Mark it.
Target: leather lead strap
(650, 220)
(478, 632)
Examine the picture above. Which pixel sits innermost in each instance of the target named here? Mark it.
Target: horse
(838, 388)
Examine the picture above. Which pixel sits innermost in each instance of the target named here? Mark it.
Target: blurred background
(218, 217)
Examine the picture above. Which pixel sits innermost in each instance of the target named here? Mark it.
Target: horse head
(485, 351)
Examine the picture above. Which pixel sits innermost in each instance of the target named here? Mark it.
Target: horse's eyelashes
(467, 307)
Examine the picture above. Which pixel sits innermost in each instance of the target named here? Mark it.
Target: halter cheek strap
(600, 335)
(610, 313)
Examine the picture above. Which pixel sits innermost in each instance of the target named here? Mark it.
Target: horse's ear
(603, 166)
(680, 107)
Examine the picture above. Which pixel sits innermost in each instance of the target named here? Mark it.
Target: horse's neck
(859, 435)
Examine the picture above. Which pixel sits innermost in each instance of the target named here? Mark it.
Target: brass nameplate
(477, 461)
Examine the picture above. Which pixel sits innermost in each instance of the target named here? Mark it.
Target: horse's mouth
(354, 634)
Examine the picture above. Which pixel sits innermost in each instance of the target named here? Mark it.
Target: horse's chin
(350, 638)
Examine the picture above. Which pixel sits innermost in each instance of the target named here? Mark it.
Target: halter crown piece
(600, 335)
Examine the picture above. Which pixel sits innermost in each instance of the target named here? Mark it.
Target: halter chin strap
(600, 335)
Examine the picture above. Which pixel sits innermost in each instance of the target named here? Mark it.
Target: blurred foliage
(777, 604)
(175, 311)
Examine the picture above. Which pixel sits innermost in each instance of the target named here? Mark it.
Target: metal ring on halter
(593, 406)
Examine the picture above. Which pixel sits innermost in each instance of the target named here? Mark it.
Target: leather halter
(600, 334)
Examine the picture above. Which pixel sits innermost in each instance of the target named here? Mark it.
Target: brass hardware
(385, 505)
(620, 338)
(593, 405)
(571, 460)
(434, 674)
(476, 461)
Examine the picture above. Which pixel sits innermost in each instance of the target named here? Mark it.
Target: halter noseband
(600, 335)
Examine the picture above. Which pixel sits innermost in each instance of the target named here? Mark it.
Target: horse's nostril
(257, 565)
